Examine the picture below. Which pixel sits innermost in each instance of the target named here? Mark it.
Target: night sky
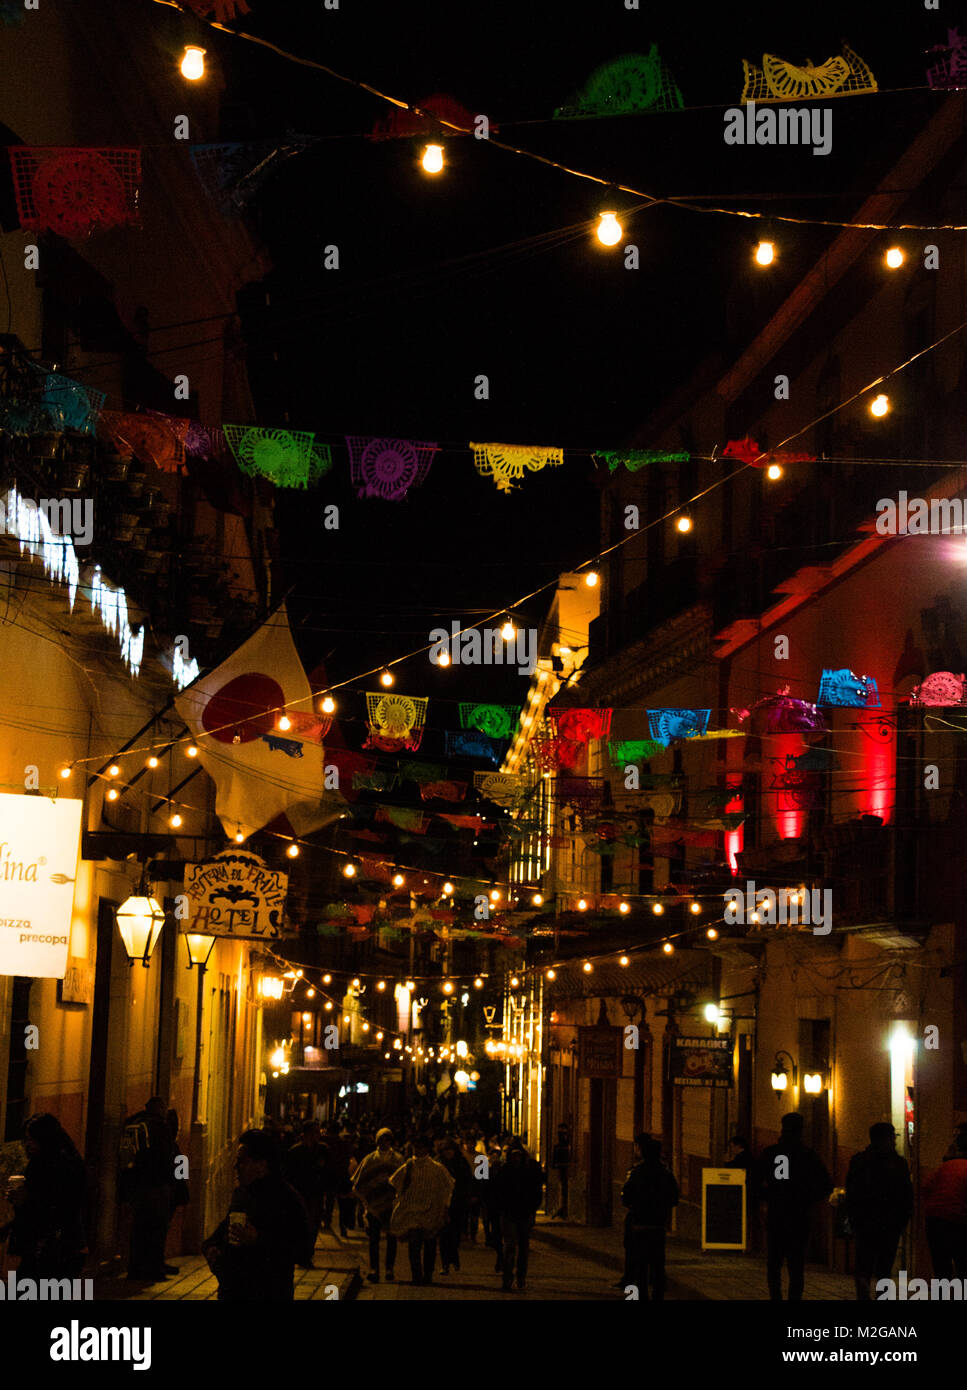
(443, 279)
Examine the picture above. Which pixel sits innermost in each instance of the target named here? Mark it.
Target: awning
(646, 974)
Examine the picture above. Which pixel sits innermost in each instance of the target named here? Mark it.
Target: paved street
(568, 1262)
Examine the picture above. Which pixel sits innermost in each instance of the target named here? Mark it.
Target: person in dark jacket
(650, 1193)
(561, 1163)
(304, 1169)
(338, 1178)
(457, 1166)
(518, 1191)
(879, 1203)
(792, 1179)
(253, 1252)
(48, 1225)
(151, 1191)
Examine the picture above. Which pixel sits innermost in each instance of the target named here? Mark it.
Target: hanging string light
(387, 679)
(432, 160)
(683, 524)
(765, 253)
(879, 405)
(193, 63)
(608, 231)
(894, 258)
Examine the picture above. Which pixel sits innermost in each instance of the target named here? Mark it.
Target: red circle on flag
(248, 705)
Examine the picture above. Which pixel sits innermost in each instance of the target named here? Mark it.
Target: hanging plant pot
(149, 497)
(136, 482)
(161, 513)
(114, 468)
(46, 447)
(72, 476)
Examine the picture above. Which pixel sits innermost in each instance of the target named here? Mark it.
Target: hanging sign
(235, 894)
(39, 841)
(599, 1052)
(701, 1062)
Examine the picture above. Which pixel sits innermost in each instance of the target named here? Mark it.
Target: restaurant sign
(701, 1062)
(39, 840)
(235, 894)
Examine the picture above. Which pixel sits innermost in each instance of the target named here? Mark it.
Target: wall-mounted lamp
(781, 1074)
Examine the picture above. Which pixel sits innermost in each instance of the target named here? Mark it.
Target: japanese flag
(262, 770)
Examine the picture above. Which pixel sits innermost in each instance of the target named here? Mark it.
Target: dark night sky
(578, 350)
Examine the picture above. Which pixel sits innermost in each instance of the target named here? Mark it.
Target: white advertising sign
(38, 865)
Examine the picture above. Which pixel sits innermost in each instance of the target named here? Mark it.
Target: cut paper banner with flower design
(395, 721)
(942, 690)
(443, 791)
(584, 794)
(388, 468)
(404, 818)
(624, 86)
(467, 744)
(148, 436)
(580, 725)
(502, 788)
(635, 459)
(666, 724)
(232, 172)
(496, 721)
(782, 714)
(75, 192)
(507, 463)
(951, 73)
(551, 752)
(846, 691)
(288, 458)
(634, 750)
(778, 80)
(70, 406)
(748, 451)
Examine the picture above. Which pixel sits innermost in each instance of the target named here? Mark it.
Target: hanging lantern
(140, 920)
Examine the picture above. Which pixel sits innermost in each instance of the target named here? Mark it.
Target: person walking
(650, 1193)
(337, 1178)
(792, 1178)
(518, 1192)
(561, 1163)
(304, 1169)
(148, 1183)
(253, 1252)
(371, 1184)
(47, 1230)
(423, 1189)
(945, 1211)
(455, 1162)
(879, 1203)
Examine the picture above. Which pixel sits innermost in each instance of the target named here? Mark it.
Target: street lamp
(200, 948)
(140, 919)
(781, 1074)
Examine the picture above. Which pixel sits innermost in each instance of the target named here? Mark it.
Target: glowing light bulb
(444, 658)
(345, 1018)
(658, 908)
(765, 253)
(552, 974)
(774, 472)
(623, 960)
(192, 750)
(695, 907)
(447, 987)
(712, 934)
(175, 821)
(608, 230)
(582, 905)
(365, 1027)
(667, 947)
(328, 1006)
(356, 983)
(293, 851)
(514, 982)
(591, 578)
(387, 679)
(380, 984)
(754, 917)
(495, 895)
(587, 967)
(508, 632)
(239, 836)
(310, 994)
(732, 905)
(537, 899)
(433, 159)
(113, 770)
(349, 871)
(398, 880)
(624, 907)
(683, 524)
(379, 1038)
(284, 722)
(327, 979)
(152, 761)
(328, 705)
(447, 888)
(113, 794)
(65, 772)
(410, 986)
(478, 983)
(894, 258)
(879, 405)
(193, 63)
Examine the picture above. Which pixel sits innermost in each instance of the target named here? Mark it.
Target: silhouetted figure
(945, 1211)
(48, 1225)
(371, 1184)
(879, 1203)
(518, 1192)
(304, 1168)
(792, 1178)
(650, 1193)
(149, 1185)
(423, 1189)
(456, 1223)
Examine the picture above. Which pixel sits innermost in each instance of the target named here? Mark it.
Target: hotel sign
(235, 894)
(39, 843)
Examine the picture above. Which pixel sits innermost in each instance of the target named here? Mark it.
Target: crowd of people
(432, 1189)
